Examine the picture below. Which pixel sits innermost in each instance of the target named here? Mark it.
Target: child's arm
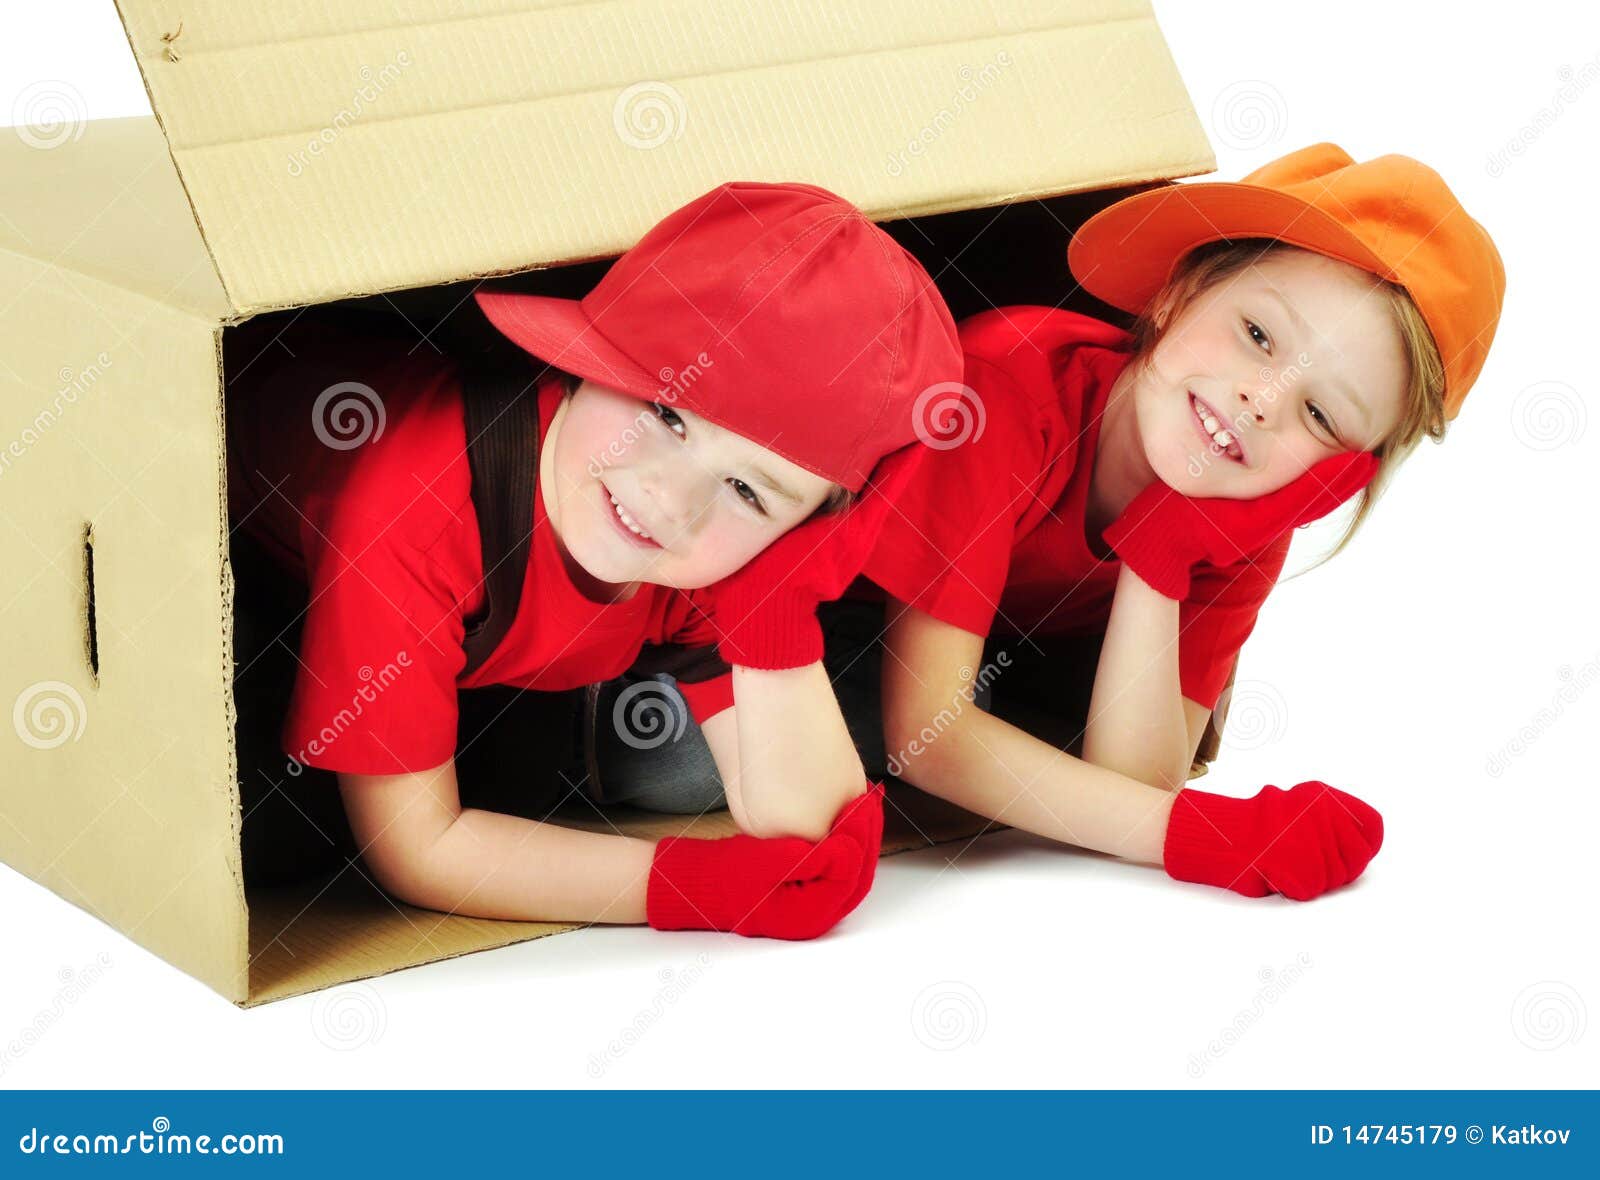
(989, 766)
(428, 851)
(787, 762)
(1300, 842)
(1140, 724)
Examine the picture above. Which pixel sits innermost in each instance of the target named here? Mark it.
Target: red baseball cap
(778, 311)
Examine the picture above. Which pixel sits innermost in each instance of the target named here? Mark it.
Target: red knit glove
(862, 820)
(1300, 842)
(1163, 534)
(781, 888)
(765, 612)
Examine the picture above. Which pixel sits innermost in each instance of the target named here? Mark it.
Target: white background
(1465, 956)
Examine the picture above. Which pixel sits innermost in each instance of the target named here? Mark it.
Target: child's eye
(1322, 420)
(669, 418)
(748, 495)
(1254, 332)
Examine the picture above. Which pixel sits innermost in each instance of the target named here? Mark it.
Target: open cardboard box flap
(352, 154)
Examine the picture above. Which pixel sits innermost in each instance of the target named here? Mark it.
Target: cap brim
(557, 331)
(1124, 253)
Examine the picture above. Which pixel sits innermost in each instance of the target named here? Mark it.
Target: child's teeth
(1222, 438)
(622, 515)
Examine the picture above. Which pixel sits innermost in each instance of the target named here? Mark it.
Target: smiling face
(1292, 360)
(650, 492)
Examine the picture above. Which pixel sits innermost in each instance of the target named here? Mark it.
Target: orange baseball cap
(1392, 216)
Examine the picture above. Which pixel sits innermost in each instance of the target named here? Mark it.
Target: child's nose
(680, 497)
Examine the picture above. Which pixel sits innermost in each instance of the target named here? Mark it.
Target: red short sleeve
(707, 698)
(946, 544)
(376, 689)
(1218, 616)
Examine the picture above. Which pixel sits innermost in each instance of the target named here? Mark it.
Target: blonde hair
(1422, 407)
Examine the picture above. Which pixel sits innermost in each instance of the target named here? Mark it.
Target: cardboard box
(345, 152)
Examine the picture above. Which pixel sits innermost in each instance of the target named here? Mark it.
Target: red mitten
(782, 888)
(765, 612)
(1163, 534)
(861, 820)
(1300, 842)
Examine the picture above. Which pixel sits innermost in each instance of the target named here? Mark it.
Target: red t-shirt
(385, 537)
(991, 536)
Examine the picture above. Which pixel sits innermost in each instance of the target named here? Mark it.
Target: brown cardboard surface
(368, 145)
(340, 926)
(515, 135)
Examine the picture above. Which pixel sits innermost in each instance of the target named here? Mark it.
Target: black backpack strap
(501, 402)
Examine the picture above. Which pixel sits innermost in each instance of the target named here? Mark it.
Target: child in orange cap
(1297, 333)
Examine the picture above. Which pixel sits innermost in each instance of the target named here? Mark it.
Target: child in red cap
(726, 412)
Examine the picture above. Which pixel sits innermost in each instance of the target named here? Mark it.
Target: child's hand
(1301, 842)
(1162, 534)
(766, 611)
(781, 888)
(862, 820)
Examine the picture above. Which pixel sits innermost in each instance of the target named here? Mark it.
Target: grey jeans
(644, 748)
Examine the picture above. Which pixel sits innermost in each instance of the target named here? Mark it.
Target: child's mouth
(1219, 438)
(629, 528)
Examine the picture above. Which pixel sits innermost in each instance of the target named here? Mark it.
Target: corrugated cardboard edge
(354, 919)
